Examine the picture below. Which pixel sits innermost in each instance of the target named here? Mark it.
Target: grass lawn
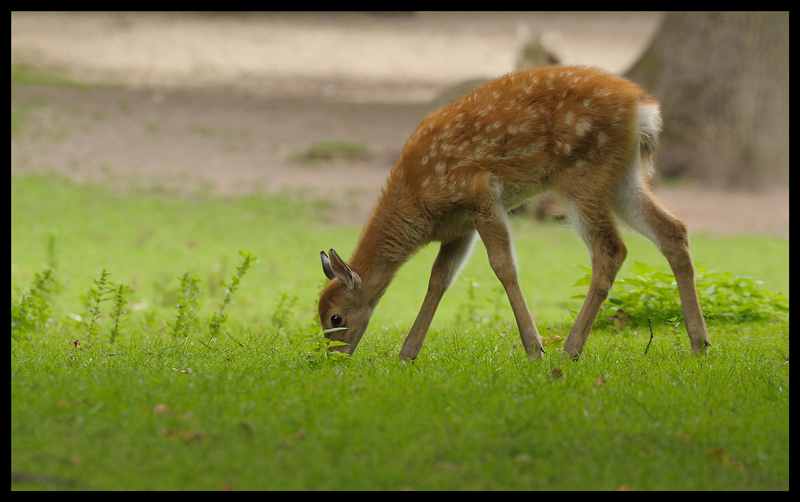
(166, 405)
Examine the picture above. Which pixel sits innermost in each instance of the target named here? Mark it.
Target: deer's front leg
(449, 260)
(495, 234)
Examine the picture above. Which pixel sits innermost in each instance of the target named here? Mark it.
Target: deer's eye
(336, 321)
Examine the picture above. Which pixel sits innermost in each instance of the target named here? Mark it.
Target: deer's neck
(392, 234)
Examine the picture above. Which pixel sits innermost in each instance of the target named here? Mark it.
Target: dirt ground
(220, 102)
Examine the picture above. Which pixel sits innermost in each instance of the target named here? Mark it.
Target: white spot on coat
(582, 127)
(528, 150)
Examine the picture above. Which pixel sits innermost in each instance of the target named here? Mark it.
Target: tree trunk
(723, 82)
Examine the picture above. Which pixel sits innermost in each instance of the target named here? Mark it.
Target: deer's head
(343, 304)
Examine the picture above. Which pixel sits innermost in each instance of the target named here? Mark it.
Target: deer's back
(529, 130)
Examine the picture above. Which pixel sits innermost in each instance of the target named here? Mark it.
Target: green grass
(257, 408)
(327, 150)
(23, 74)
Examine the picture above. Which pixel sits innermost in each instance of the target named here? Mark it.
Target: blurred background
(321, 103)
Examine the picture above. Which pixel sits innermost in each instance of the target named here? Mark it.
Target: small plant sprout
(31, 310)
(97, 295)
(467, 311)
(117, 311)
(322, 345)
(52, 257)
(217, 319)
(283, 311)
(187, 306)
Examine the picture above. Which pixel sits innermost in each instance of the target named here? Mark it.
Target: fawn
(585, 134)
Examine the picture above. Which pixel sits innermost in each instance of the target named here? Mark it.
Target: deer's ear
(342, 271)
(326, 265)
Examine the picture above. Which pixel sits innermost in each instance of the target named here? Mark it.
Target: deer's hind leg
(639, 207)
(594, 222)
